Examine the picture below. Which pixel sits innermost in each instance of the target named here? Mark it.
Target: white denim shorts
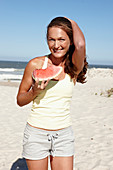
(39, 143)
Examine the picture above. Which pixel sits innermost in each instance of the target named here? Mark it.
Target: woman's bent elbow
(19, 102)
(80, 45)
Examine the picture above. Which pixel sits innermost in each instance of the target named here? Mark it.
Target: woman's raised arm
(80, 49)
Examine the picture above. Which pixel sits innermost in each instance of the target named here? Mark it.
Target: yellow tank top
(51, 108)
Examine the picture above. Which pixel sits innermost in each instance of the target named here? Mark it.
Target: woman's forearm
(26, 97)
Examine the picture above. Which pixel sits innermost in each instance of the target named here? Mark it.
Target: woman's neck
(57, 61)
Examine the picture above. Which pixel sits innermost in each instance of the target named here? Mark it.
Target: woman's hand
(29, 89)
(37, 87)
(25, 97)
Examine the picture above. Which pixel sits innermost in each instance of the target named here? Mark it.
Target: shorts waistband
(64, 130)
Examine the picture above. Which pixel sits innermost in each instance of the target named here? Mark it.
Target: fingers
(68, 18)
(44, 84)
(37, 82)
(40, 86)
(72, 21)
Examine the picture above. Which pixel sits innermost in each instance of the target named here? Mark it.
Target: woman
(48, 131)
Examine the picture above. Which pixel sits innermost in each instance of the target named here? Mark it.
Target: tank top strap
(45, 63)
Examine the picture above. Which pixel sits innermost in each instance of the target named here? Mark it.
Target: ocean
(13, 70)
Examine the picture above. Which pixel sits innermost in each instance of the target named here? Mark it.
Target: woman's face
(58, 41)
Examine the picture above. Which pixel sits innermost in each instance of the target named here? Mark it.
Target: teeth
(57, 50)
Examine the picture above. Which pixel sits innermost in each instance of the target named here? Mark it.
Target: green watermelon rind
(50, 77)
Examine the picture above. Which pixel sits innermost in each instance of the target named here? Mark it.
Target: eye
(62, 39)
(51, 39)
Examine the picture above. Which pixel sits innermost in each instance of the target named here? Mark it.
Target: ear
(71, 42)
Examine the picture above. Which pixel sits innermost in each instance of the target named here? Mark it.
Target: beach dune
(92, 118)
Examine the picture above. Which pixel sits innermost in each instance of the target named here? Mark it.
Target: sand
(92, 117)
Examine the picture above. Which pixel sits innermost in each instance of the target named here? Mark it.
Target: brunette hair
(69, 67)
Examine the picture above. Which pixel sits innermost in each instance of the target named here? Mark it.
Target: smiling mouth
(57, 51)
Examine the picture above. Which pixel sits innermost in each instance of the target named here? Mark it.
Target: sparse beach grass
(107, 93)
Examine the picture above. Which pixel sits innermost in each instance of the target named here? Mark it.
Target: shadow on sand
(19, 164)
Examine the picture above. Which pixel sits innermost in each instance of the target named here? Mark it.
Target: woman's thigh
(62, 163)
(41, 164)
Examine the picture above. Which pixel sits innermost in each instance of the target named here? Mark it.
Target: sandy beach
(92, 117)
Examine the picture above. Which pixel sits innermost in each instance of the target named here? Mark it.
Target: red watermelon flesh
(48, 73)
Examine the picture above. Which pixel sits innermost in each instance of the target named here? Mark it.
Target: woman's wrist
(34, 93)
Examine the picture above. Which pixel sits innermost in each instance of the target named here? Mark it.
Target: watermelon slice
(48, 73)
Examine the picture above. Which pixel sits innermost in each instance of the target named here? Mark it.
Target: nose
(56, 44)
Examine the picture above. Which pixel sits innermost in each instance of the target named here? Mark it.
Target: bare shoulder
(36, 63)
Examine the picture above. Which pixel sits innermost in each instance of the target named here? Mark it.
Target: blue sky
(23, 27)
